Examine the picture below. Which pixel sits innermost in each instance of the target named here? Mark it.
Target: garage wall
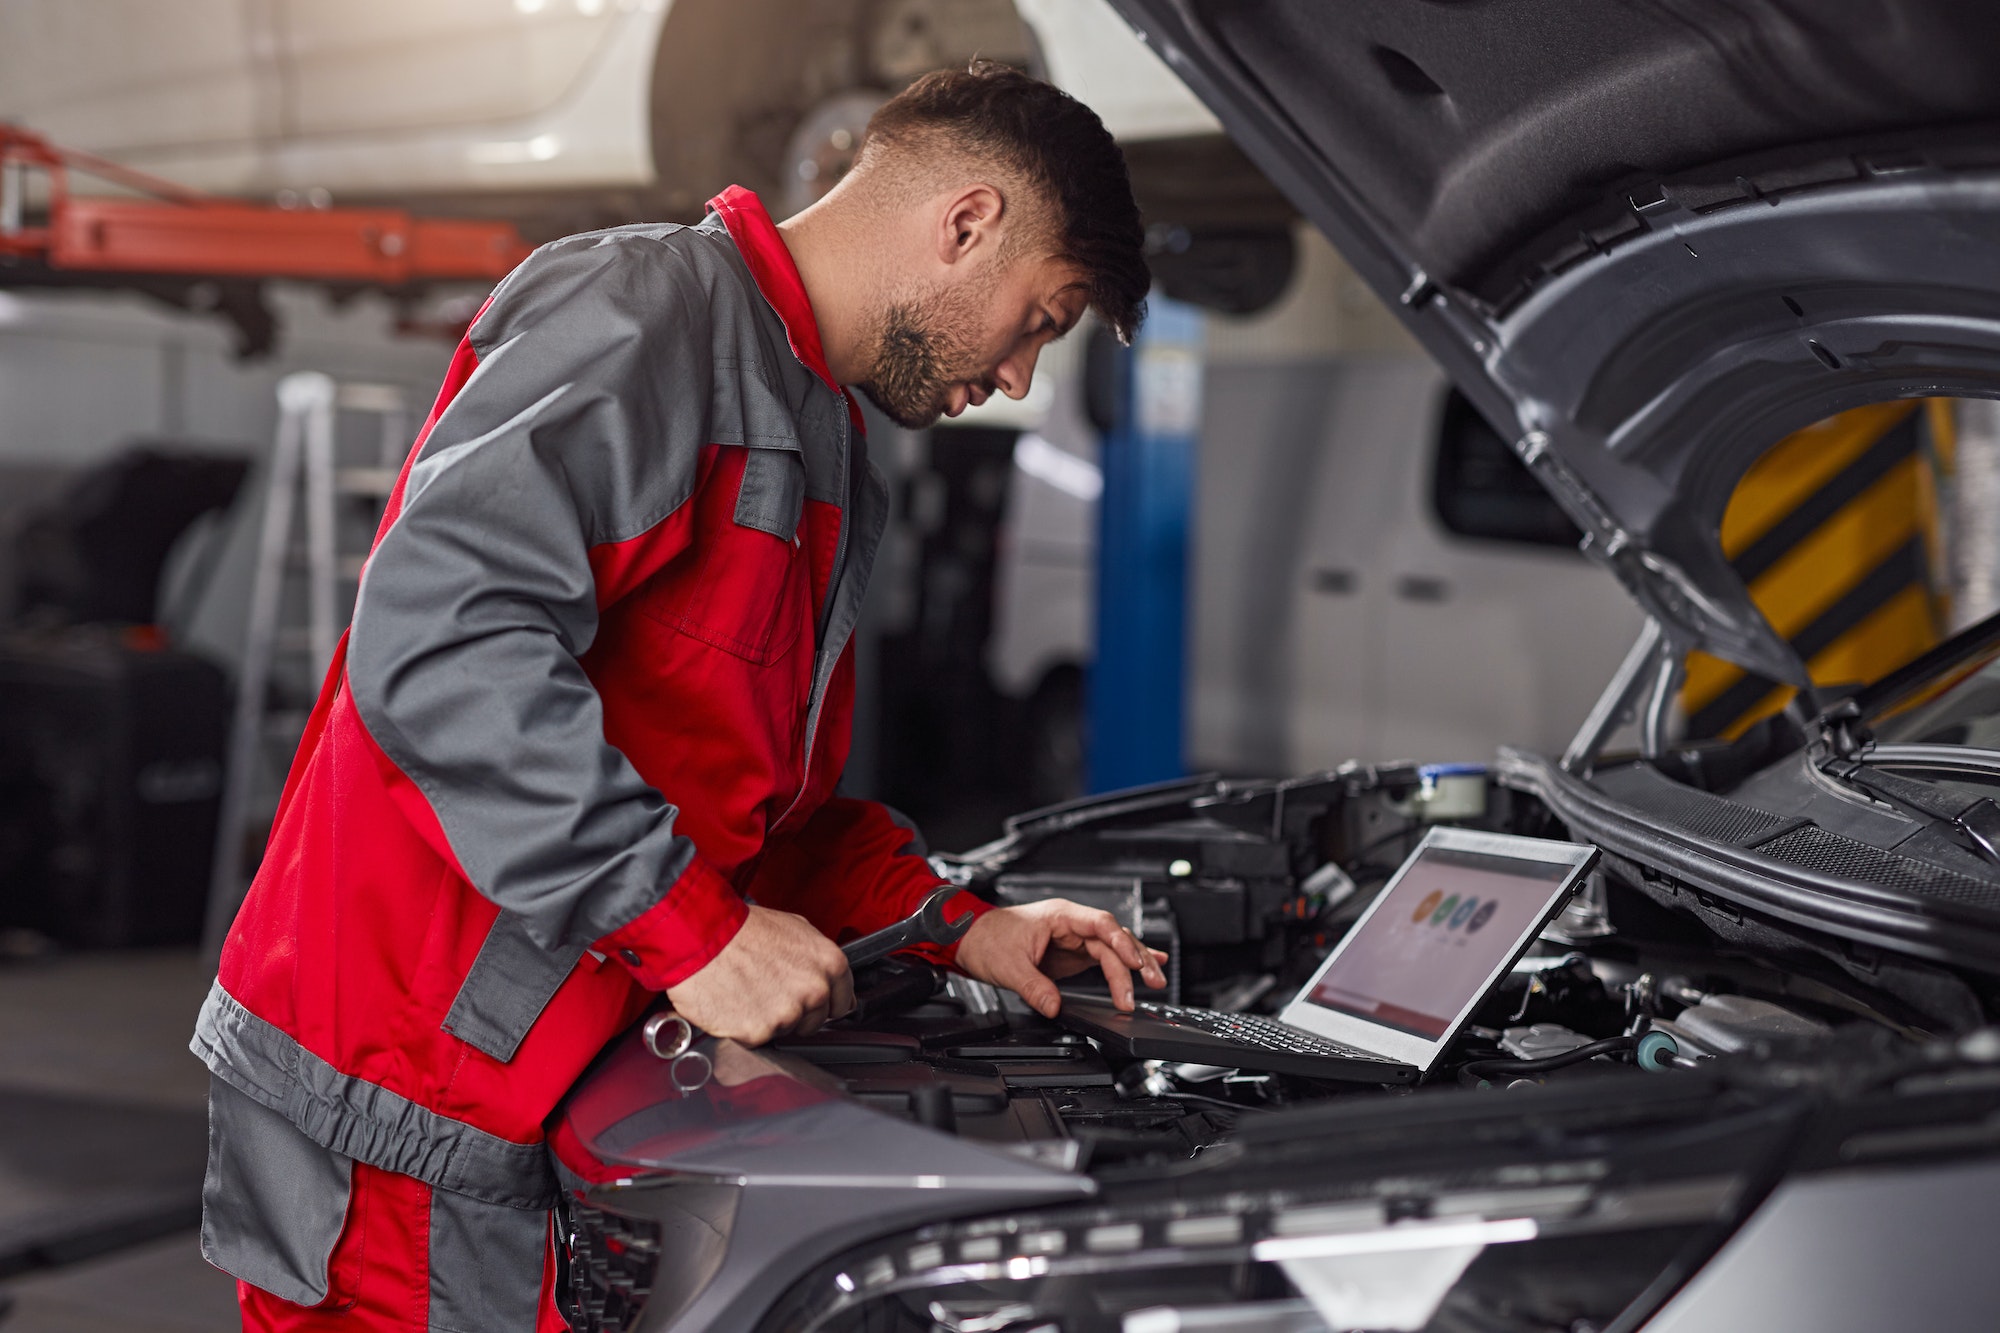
(81, 373)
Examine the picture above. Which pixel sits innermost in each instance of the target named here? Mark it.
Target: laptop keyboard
(1266, 1034)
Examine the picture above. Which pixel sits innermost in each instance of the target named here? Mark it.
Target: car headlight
(1278, 1263)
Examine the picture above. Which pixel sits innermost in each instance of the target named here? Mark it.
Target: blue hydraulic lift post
(1137, 691)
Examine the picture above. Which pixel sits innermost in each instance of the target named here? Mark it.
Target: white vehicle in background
(560, 113)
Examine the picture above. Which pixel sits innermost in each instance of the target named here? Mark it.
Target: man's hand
(1022, 948)
(778, 977)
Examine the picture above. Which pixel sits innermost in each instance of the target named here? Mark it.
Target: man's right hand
(778, 977)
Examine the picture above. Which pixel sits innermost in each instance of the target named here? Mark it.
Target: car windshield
(1959, 705)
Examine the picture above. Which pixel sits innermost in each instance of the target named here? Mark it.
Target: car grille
(613, 1259)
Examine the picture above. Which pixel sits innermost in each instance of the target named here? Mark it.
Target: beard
(921, 355)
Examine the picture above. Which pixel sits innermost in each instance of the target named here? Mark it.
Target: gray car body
(1647, 240)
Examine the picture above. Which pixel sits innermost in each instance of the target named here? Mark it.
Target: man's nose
(1016, 373)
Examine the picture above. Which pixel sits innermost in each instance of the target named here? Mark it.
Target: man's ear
(970, 219)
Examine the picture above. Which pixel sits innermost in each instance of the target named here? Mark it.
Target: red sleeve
(677, 936)
(853, 869)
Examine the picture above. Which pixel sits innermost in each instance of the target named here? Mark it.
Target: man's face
(954, 344)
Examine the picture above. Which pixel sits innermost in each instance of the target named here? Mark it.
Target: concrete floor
(94, 1045)
(160, 1287)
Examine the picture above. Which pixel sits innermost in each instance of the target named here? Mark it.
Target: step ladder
(314, 465)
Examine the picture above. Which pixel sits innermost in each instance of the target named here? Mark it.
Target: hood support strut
(1653, 668)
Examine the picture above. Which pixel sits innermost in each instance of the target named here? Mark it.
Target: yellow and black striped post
(1835, 531)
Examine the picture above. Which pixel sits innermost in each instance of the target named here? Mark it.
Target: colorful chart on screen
(1434, 944)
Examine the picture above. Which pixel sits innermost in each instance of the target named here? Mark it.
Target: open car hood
(1647, 237)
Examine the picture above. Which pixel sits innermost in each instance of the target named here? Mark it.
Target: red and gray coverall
(597, 692)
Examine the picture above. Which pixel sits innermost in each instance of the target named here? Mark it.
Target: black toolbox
(111, 764)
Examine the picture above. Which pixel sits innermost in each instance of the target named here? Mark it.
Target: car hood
(1647, 237)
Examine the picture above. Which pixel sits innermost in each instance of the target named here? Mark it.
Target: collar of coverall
(762, 246)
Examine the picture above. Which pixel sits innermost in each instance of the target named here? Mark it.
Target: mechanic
(621, 569)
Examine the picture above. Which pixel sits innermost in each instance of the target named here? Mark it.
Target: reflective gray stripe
(274, 1202)
(364, 1120)
(773, 493)
(485, 1266)
(511, 982)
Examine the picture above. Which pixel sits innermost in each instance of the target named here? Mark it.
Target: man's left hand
(1027, 948)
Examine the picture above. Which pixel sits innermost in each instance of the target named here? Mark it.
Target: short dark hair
(1061, 146)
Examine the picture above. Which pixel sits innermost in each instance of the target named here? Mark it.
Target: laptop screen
(1453, 918)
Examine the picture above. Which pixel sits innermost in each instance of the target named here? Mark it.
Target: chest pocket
(748, 587)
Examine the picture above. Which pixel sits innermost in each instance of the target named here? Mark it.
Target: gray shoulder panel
(607, 362)
(658, 330)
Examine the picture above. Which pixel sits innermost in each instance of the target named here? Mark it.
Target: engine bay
(1247, 887)
(1658, 1063)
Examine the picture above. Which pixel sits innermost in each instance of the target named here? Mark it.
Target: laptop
(1457, 915)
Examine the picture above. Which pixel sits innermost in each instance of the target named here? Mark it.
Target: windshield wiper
(1977, 818)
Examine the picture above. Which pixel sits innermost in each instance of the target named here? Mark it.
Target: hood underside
(1648, 238)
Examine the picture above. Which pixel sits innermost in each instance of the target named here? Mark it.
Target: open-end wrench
(669, 1036)
(926, 925)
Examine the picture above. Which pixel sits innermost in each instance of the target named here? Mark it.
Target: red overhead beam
(173, 230)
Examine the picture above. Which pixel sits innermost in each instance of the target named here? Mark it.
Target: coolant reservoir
(1446, 793)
